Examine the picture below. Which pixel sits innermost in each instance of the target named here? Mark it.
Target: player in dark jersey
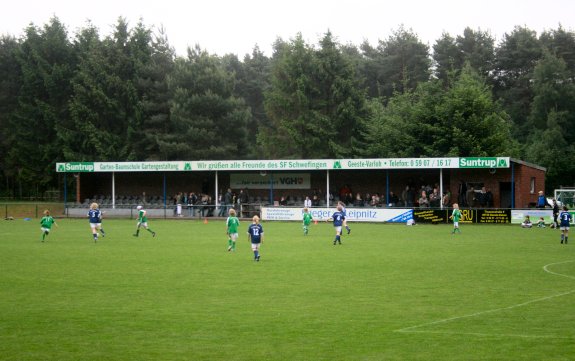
(565, 221)
(256, 237)
(344, 211)
(338, 219)
(95, 218)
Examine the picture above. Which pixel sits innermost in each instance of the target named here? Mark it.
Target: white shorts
(255, 246)
(95, 225)
(455, 224)
(143, 224)
(45, 229)
(337, 229)
(564, 228)
(233, 236)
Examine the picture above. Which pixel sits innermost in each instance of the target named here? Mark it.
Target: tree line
(128, 97)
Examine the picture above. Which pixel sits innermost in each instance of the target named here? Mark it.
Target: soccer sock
(255, 254)
(562, 237)
(233, 245)
(347, 227)
(150, 230)
(95, 236)
(102, 230)
(44, 235)
(337, 239)
(230, 243)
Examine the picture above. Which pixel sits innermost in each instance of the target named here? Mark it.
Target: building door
(505, 194)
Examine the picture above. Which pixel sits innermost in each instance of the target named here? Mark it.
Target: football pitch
(389, 292)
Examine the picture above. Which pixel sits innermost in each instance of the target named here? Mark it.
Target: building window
(532, 186)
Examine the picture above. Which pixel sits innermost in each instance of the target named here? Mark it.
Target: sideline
(412, 329)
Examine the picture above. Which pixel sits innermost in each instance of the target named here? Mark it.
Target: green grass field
(390, 292)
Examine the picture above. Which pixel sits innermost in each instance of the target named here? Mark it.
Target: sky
(236, 26)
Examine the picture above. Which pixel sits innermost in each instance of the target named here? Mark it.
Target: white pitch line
(490, 334)
(545, 268)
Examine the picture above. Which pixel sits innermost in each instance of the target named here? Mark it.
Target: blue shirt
(95, 216)
(541, 201)
(338, 218)
(565, 218)
(255, 231)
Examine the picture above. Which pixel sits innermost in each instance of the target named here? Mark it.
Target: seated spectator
(283, 201)
(435, 198)
(423, 201)
(446, 199)
(315, 201)
(526, 223)
(358, 202)
(349, 199)
(374, 200)
(541, 223)
(393, 199)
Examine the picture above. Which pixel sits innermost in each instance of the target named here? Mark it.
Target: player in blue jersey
(95, 218)
(256, 237)
(338, 219)
(344, 211)
(565, 220)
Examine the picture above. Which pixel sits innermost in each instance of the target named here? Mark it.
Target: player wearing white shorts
(232, 224)
(95, 219)
(143, 222)
(455, 216)
(565, 219)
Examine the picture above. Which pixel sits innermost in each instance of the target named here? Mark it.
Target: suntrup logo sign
(484, 162)
(75, 167)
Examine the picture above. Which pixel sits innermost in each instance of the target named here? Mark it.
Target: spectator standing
(307, 202)
(470, 197)
(541, 201)
(488, 198)
(555, 213)
(192, 200)
(482, 198)
(228, 200)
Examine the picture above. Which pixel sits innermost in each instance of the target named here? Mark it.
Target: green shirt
(47, 222)
(456, 215)
(307, 219)
(232, 223)
(142, 216)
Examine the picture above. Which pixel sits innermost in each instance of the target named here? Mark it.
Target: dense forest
(128, 96)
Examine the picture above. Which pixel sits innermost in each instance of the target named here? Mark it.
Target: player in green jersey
(456, 216)
(307, 218)
(232, 224)
(143, 222)
(46, 224)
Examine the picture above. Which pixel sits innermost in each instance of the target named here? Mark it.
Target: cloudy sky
(235, 26)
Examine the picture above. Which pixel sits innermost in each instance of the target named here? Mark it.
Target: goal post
(565, 196)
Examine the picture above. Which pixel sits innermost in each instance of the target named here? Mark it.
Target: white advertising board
(518, 215)
(392, 215)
